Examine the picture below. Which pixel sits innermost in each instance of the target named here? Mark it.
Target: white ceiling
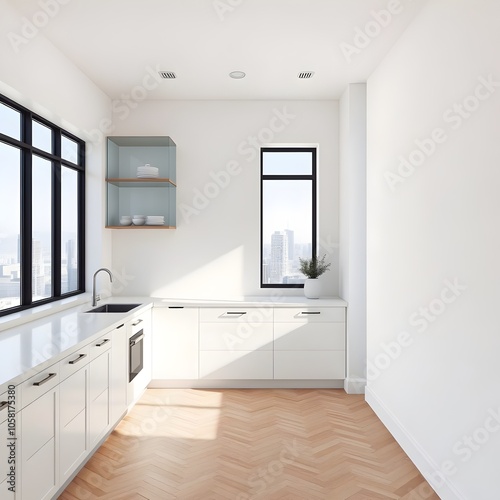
(117, 42)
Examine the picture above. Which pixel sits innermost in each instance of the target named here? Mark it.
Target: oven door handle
(136, 340)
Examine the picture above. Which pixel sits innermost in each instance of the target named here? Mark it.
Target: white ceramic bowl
(138, 222)
(138, 217)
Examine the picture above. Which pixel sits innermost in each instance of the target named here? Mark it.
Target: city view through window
(45, 174)
(288, 214)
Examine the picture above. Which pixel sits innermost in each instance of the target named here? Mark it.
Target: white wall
(215, 253)
(37, 75)
(433, 245)
(352, 214)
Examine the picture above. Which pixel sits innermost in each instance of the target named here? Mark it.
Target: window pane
(287, 229)
(69, 150)
(287, 163)
(42, 229)
(10, 122)
(69, 230)
(42, 137)
(10, 226)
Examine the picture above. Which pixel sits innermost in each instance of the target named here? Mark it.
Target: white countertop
(252, 301)
(30, 347)
(32, 340)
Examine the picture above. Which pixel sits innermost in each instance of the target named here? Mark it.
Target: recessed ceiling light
(237, 75)
(168, 75)
(306, 74)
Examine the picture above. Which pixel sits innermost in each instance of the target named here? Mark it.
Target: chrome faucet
(95, 297)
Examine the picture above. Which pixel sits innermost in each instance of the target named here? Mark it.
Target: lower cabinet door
(99, 417)
(39, 457)
(309, 365)
(72, 422)
(39, 473)
(99, 410)
(236, 365)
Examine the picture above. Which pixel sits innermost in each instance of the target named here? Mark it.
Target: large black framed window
(42, 210)
(288, 214)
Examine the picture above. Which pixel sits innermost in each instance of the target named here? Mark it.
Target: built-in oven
(136, 355)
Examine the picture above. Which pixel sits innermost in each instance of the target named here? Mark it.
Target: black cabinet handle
(3, 405)
(79, 358)
(46, 379)
(235, 313)
(176, 307)
(310, 312)
(120, 326)
(105, 341)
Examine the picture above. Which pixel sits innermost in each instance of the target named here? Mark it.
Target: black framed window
(42, 210)
(288, 214)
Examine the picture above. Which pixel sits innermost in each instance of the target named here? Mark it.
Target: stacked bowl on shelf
(147, 172)
(155, 220)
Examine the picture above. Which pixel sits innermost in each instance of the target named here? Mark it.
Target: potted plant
(313, 268)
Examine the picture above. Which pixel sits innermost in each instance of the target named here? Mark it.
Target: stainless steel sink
(113, 308)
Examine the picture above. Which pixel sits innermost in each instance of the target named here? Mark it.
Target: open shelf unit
(129, 195)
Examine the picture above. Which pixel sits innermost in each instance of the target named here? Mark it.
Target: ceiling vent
(167, 75)
(306, 74)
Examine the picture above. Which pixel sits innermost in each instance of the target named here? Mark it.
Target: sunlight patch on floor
(193, 414)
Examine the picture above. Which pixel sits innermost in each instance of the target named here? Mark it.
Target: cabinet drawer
(100, 345)
(72, 445)
(309, 314)
(251, 315)
(309, 365)
(72, 397)
(236, 365)
(38, 424)
(99, 417)
(39, 384)
(99, 375)
(76, 360)
(236, 337)
(39, 473)
(309, 336)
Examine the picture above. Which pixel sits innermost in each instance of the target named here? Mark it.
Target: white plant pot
(312, 288)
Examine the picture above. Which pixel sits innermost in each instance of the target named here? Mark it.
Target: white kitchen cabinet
(6, 458)
(236, 365)
(309, 343)
(39, 435)
(99, 370)
(136, 387)
(175, 343)
(119, 372)
(73, 412)
(236, 343)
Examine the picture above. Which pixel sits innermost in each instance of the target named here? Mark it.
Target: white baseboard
(245, 384)
(441, 484)
(355, 385)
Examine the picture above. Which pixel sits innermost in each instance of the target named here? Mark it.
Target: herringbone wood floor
(257, 444)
